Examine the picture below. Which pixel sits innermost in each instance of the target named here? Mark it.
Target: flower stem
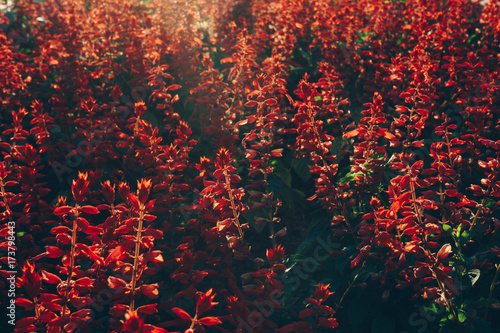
(71, 264)
(136, 258)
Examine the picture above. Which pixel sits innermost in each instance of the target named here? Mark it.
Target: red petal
(270, 102)
(174, 87)
(50, 278)
(62, 210)
(306, 313)
(182, 314)
(153, 256)
(277, 152)
(83, 314)
(147, 309)
(350, 134)
(26, 303)
(134, 200)
(120, 252)
(328, 323)
(210, 321)
(54, 252)
(90, 210)
(59, 229)
(389, 136)
(84, 282)
(150, 290)
(444, 251)
(116, 283)
(153, 329)
(250, 104)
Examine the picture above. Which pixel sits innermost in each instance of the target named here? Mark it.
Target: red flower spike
(80, 187)
(133, 323)
(327, 322)
(143, 188)
(322, 293)
(276, 254)
(30, 280)
(140, 108)
(205, 302)
(108, 191)
(124, 190)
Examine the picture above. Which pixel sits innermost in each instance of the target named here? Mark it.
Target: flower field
(250, 166)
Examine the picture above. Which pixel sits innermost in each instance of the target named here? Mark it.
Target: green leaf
(462, 316)
(286, 177)
(336, 145)
(433, 309)
(471, 38)
(275, 184)
(306, 56)
(301, 167)
(447, 228)
(465, 236)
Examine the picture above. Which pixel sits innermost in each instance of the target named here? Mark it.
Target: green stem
(136, 257)
(351, 283)
(71, 264)
(429, 254)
